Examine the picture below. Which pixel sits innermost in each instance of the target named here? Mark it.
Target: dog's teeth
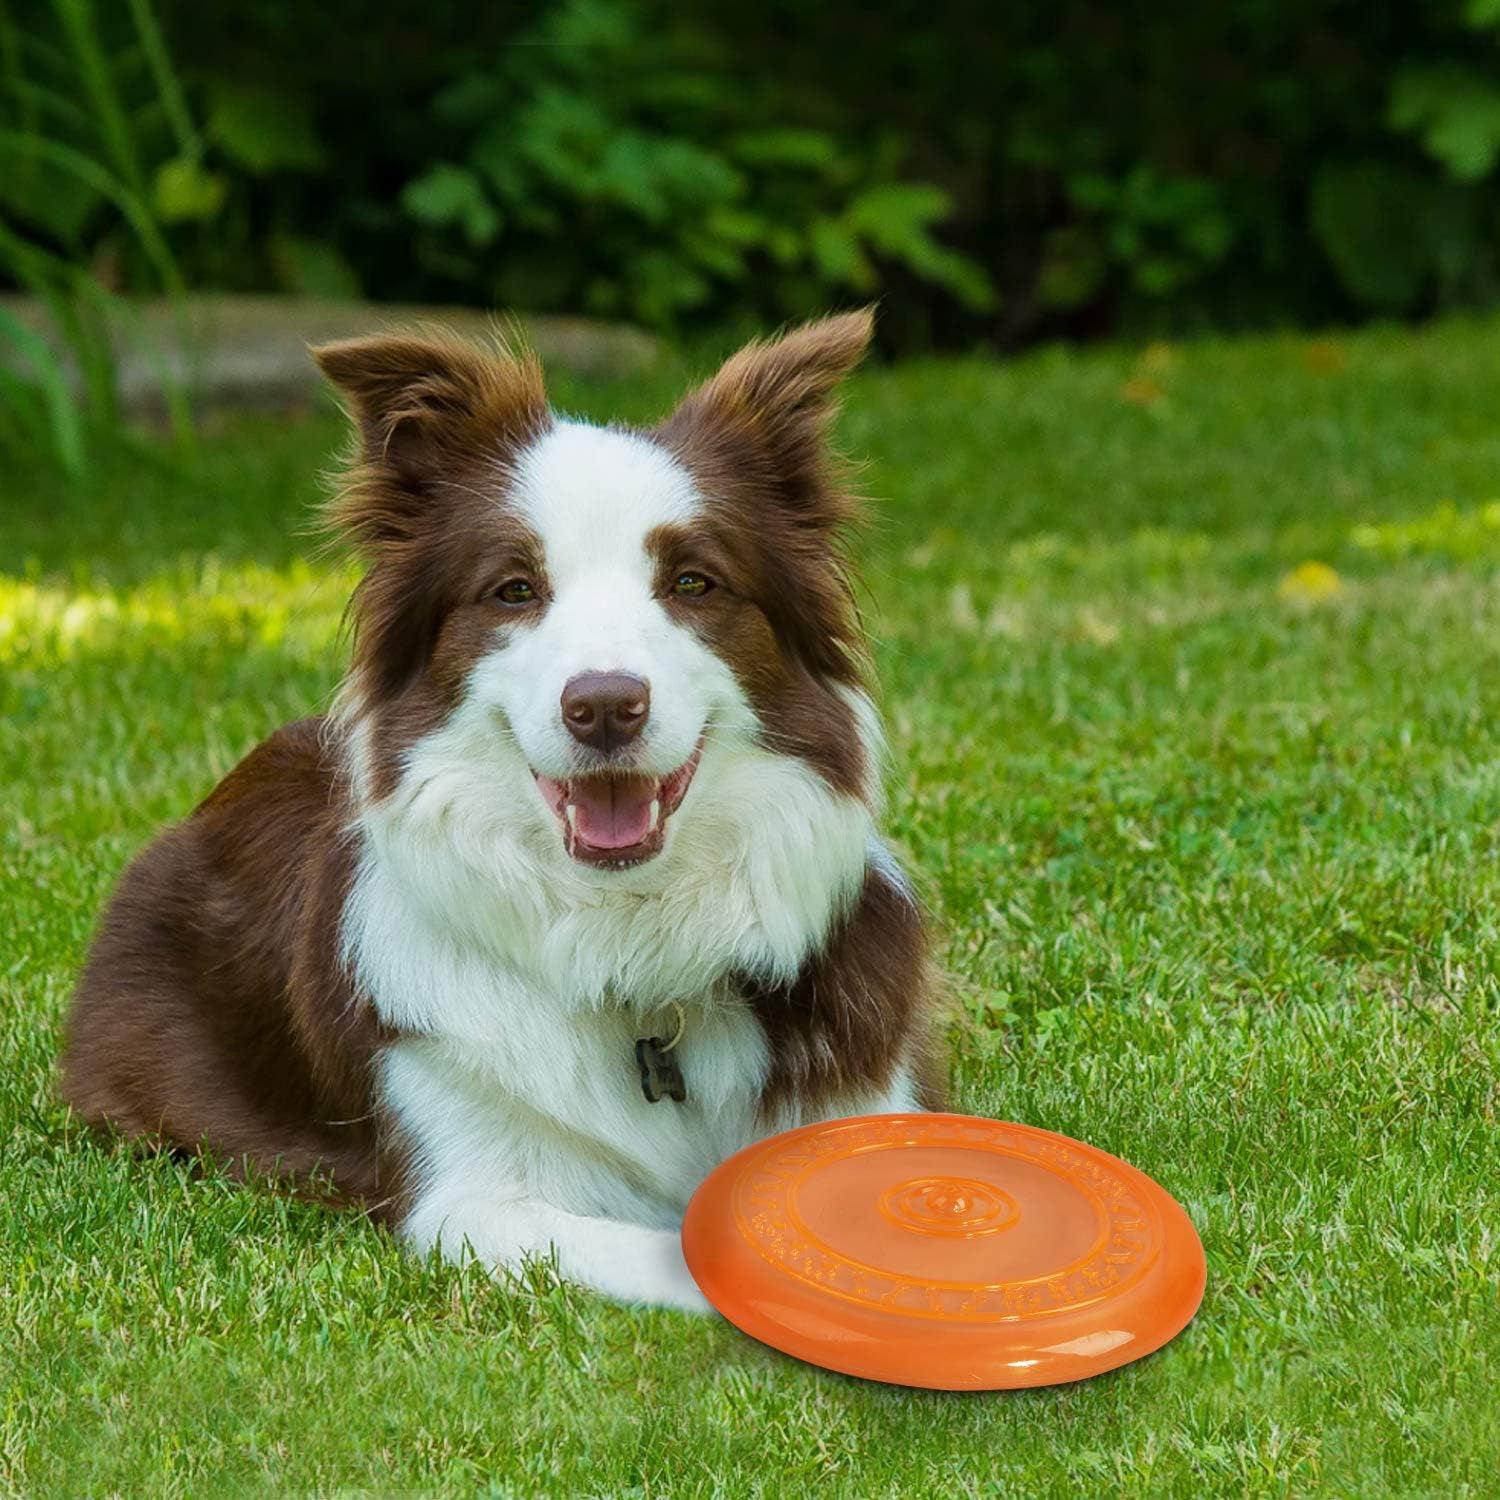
(655, 814)
(572, 812)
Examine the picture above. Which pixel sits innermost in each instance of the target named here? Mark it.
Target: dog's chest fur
(517, 998)
(561, 1114)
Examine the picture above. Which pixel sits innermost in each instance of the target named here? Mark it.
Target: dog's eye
(515, 591)
(691, 585)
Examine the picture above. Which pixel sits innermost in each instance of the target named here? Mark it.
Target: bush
(604, 167)
(998, 173)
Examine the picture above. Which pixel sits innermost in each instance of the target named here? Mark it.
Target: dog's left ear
(763, 418)
(420, 403)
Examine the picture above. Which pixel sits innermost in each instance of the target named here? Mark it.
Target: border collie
(577, 889)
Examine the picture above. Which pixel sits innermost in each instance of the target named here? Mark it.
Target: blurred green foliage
(1001, 174)
(596, 166)
(97, 154)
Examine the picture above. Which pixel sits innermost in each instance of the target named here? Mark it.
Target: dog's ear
(764, 417)
(422, 403)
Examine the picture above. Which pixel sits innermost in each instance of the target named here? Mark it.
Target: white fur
(593, 495)
(520, 978)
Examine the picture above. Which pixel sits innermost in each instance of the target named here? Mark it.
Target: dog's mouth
(616, 819)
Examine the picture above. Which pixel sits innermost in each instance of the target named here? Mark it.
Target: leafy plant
(1454, 111)
(1421, 234)
(86, 182)
(1068, 168)
(1164, 231)
(1376, 222)
(599, 168)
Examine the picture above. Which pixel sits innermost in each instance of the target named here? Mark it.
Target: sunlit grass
(1191, 658)
(296, 608)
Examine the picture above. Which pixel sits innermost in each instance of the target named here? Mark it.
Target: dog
(577, 889)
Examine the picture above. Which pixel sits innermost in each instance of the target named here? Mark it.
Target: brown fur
(754, 438)
(862, 1005)
(214, 1009)
(436, 424)
(799, 710)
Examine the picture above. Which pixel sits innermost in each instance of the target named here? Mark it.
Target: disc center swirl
(957, 1206)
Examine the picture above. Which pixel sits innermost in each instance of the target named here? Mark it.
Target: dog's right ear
(761, 422)
(421, 405)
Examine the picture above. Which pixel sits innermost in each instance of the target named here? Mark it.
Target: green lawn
(1212, 854)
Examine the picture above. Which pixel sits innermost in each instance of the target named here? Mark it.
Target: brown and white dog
(604, 767)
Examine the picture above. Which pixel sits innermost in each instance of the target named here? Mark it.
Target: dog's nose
(605, 710)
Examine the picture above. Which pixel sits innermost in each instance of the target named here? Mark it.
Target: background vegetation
(1004, 172)
(1000, 174)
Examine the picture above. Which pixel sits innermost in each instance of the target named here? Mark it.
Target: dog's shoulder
(297, 768)
(862, 1008)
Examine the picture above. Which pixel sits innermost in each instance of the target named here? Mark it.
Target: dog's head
(615, 608)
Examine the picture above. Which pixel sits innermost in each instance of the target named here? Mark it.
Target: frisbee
(944, 1251)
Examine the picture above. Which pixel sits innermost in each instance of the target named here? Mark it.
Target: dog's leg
(625, 1261)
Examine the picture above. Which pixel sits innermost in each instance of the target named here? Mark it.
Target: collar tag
(660, 1075)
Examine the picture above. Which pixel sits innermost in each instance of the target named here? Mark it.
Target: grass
(1210, 836)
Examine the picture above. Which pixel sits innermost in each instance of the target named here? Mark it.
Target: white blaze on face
(593, 496)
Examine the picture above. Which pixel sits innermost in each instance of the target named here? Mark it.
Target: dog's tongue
(614, 812)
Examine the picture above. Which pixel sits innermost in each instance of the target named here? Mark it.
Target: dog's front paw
(628, 1262)
(651, 1270)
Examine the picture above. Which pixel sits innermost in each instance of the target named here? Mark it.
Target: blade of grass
(81, 28)
(82, 98)
(41, 99)
(173, 390)
(92, 321)
(129, 203)
(88, 306)
(79, 307)
(11, 41)
(52, 380)
(168, 89)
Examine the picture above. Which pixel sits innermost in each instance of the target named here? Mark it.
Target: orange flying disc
(944, 1251)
